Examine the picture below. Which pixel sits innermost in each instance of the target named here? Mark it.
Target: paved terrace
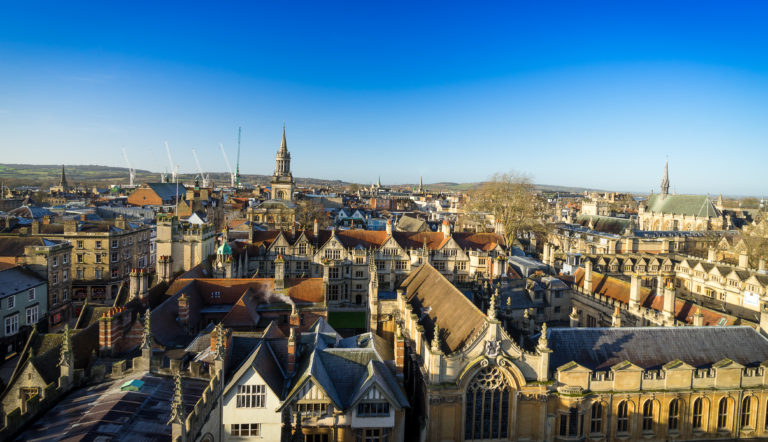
(104, 412)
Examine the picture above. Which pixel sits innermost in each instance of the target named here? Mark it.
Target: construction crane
(237, 167)
(170, 162)
(232, 177)
(203, 176)
(131, 170)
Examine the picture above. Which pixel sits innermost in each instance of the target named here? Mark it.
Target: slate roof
(167, 191)
(434, 298)
(689, 205)
(410, 224)
(652, 347)
(18, 279)
(607, 224)
(14, 245)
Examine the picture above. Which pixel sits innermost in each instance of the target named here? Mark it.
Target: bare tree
(307, 211)
(512, 201)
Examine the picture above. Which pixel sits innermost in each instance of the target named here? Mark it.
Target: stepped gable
(434, 298)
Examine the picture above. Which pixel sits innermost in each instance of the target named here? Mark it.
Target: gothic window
(746, 412)
(674, 414)
(596, 421)
(569, 423)
(697, 408)
(487, 406)
(622, 417)
(648, 416)
(722, 414)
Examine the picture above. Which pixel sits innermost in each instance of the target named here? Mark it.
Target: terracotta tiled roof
(610, 287)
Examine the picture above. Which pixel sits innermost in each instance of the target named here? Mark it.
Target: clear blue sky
(589, 94)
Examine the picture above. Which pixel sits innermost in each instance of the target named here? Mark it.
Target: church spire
(283, 144)
(63, 180)
(665, 180)
(283, 159)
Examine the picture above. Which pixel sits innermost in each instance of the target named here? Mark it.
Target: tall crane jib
(203, 176)
(170, 163)
(131, 170)
(229, 167)
(237, 170)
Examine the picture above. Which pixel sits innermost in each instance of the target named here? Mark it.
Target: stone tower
(282, 180)
(665, 180)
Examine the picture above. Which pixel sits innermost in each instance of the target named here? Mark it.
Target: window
(11, 303)
(461, 265)
(98, 258)
(251, 396)
(312, 409)
(622, 417)
(674, 413)
(31, 294)
(596, 421)
(359, 274)
(487, 406)
(64, 295)
(401, 265)
(114, 243)
(64, 275)
(648, 416)
(569, 423)
(373, 409)
(115, 272)
(12, 325)
(79, 244)
(746, 412)
(323, 437)
(241, 430)
(98, 244)
(367, 435)
(55, 261)
(333, 292)
(722, 414)
(79, 273)
(55, 277)
(114, 257)
(332, 254)
(54, 297)
(97, 273)
(79, 258)
(302, 249)
(696, 421)
(125, 242)
(359, 260)
(439, 265)
(333, 273)
(32, 315)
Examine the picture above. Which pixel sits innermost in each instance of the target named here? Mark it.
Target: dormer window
(373, 409)
(312, 408)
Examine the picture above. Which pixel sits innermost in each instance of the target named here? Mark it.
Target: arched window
(280, 195)
(746, 412)
(674, 413)
(622, 417)
(487, 406)
(596, 420)
(648, 416)
(722, 414)
(697, 413)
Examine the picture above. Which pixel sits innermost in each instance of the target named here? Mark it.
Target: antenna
(174, 170)
(229, 167)
(237, 170)
(131, 170)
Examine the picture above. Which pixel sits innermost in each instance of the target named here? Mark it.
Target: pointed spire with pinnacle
(492, 305)
(665, 180)
(177, 406)
(63, 180)
(65, 357)
(543, 341)
(436, 338)
(146, 339)
(219, 342)
(283, 143)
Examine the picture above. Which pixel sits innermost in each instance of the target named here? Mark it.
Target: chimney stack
(698, 318)
(588, 276)
(711, 255)
(316, 229)
(184, 310)
(743, 260)
(634, 292)
(279, 273)
(389, 227)
(616, 318)
(446, 228)
(292, 353)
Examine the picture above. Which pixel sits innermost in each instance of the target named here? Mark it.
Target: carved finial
(574, 313)
(492, 306)
(146, 339)
(65, 357)
(219, 342)
(177, 406)
(543, 342)
(509, 301)
(436, 338)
